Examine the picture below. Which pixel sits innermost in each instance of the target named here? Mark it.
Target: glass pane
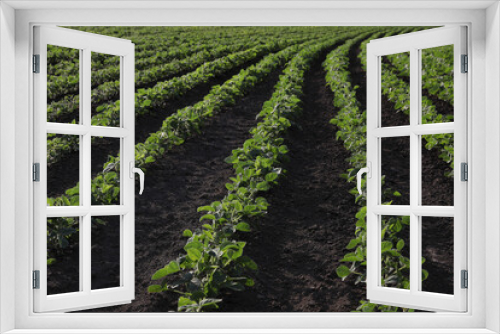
(437, 84)
(437, 170)
(438, 252)
(63, 169)
(105, 94)
(395, 252)
(63, 84)
(105, 171)
(105, 252)
(396, 170)
(395, 83)
(63, 255)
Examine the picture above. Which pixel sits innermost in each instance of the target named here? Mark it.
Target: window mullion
(85, 166)
(415, 231)
(83, 148)
(373, 79)
(85, 163)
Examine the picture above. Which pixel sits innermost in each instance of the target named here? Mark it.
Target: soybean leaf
(343, 271)
(243, 227)
(155, 288)
(207, 216)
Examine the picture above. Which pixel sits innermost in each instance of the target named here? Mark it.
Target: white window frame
(483, 20)
(414, 43)
(86, 43)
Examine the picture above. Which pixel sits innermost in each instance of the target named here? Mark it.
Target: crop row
(154, 35)
(351, 121)
(174, 131)
(438, 80)
(267, 33)
(58, 58)
(179, 126)
(152, 99)
(66, 86)
(397, 91)
(213, 259)
(144, 59)
(437, 71)
(154, 39)
(63, 70)
(157, 53)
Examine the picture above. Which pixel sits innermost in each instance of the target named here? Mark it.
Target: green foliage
(437, 78)
(178, 127)
(60, 231)
(150, 100)
(214, 260)
(351, 123)
(437, 72)
(105, 83)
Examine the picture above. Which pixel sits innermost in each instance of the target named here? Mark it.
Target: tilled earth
(299, 244)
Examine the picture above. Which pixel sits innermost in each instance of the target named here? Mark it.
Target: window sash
(413, 43)
(86, 43)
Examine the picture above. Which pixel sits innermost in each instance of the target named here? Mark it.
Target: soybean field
(250, 139)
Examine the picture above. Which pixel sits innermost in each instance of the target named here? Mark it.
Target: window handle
(368, 171)
(134, 170)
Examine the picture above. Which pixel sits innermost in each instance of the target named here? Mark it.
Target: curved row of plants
(178, 85)
(175, 130)
(351, 120)
(149, 40)
(63, 92)
(178, 35)
(397, 91)
(214, 260)
(148, 101)
(164, 63)
(437, 71)
(61, 61)
(66, 79)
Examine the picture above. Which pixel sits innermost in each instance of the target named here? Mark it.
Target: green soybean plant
(213, 258)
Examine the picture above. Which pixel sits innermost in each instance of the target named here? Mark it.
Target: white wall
(7, 159)
(492, 162)
(281, 17)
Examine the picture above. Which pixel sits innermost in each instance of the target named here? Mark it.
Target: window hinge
(465, 64)
(36, 279)
(465, 279)
(36, 63)
(36, 172)
(464, 171)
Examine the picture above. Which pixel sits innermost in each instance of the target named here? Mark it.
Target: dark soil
(59, 179)
(63, 275)
(299, 244)
(191, 175)
(437, 249)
